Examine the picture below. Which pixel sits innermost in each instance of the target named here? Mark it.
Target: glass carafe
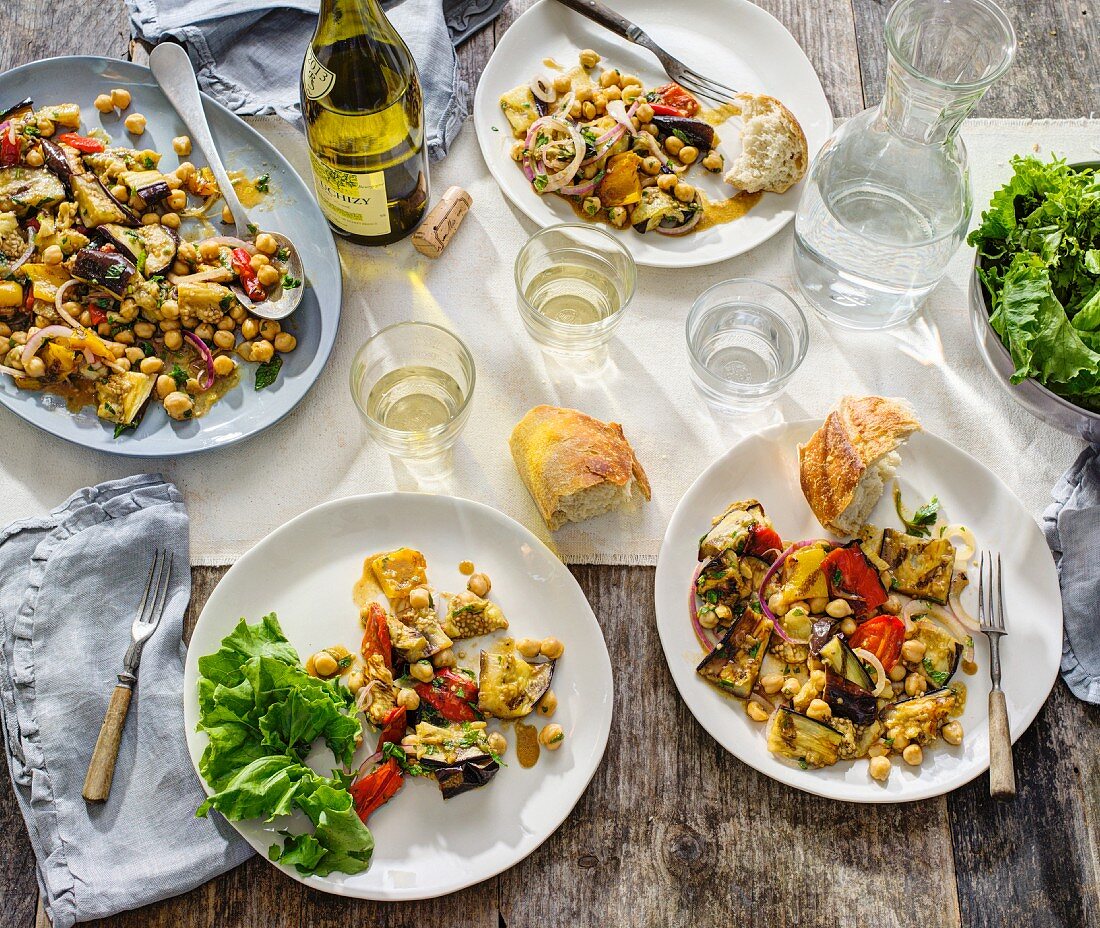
(887, 200)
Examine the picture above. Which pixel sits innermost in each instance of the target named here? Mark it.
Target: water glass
(573, 284)
(412, 383)
(745, 339)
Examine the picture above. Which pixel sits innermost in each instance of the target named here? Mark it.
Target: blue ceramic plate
(290, 209)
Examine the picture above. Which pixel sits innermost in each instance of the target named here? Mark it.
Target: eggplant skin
(106, 269)
(456, 779)
(797, 736)
(697, 132)
(849, 701)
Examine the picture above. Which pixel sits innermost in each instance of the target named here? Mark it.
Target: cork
(441, 223)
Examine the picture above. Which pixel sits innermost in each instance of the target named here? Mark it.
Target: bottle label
(356, 202)
(317, 80)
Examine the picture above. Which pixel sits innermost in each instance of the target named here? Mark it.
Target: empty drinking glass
(745, 339)
(412, 383)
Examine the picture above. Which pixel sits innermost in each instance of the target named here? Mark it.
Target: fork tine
(981, 591)
(999, 615)
(148, 585)
(688, 80)
(161, 596)
(710, 83)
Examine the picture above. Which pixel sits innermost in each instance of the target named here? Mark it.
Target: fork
(101, 768)
(679, 72)
(991, 619)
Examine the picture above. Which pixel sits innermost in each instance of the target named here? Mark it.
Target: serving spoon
(172, 69)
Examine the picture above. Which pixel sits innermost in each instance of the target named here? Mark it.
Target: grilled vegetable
(458, 755)
(921, 567)
(672, 100)
(62, 160)
(61, 114)
(17, 108)
(399, 572)
(426, 623)
(123, 398)
(151, 186)
(732, 527)
(451, 695)
(378, 787)
(621, 185)
(23, 188)
(849, 700)
(106, 269)
(151, 248)
(882, 636)
(689, 131)
(920, 719)
(466, 775)
(469, 616)
(803, 577)
(941, 652)
(843, 660)
(509, 687)
(657, 207)
(97, 206)
(852, 577)
(811, 743)
(202, 299)
(45, 279)
(857, 738)
(735, 664)
(519, 109)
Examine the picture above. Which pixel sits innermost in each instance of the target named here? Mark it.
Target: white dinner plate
(731, 41)
(765, 466)
(304, 572)
(288, 208)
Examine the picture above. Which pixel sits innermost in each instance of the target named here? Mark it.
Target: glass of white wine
(412, 383)
(573, 284)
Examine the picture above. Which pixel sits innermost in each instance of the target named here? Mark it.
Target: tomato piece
(883, 636)
(852, 577)
(393, 727)
(376, 636)
(674, 97)
(241, 261)
(377, 788)
(10, 149)
(452, 694)
(97, 315)
(764, 541)
(82, 143)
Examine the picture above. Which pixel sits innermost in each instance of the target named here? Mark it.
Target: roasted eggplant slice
(689, 131)
(843, 661)
(857, 738)
(849, 701)
(808, 741)
(941, 652)
(23, 189)
(151, 186)
(922, 567)
(509, 687)
(920, 719)
(151, 248)
(732, 526)
(735, 664)
(97, 206)
(461, 778)
(16, 108)
(820, 634)
(469, 616)
(123, 398)
(657, 207)
(106, 269)
(62, 160)
(458, 755)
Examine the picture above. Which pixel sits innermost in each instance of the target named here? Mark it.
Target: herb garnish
(920, 523)
(262, 182)
(179, 375)
(268, 372)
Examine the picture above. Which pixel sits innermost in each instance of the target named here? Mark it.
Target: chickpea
(53, 255)
(817, 679)
(591, 205)
(838, 608)
(772, 683)
(723, 612)
(551, 648)
(600, 100)
(422, 671)
(185, 170)
(262, 351)
(651, 165)
(915, 685)
(35, 367)
(630, 80)
(588, 110)
(325, 664)
(755, 711)
(120, 98)
(878, 749)
(150, 219)
(644, 112)
(673, 145)
(897, 672)
(165, 385)
(134, 123)
(134, 355)
(688, 154)
(171, 220)
(548, 703)
(952, 733)
(355, 680)
(818, 604)
(465, 568)
(122, 364)
(266, 243)
(552, 736)
(224, 365)
(650, 128)
(790, 687)
(618, 216)
(284, 341)
(497, 744)
(227, 216)
(205, 331)
(667, 182)
(912, 652)
(125, 337)
(913, 755)
(104, 103)
(879, 768)
(188, 253)
(420, 598)
(630, 94)
(34, 158)
(713, 161)
(848, 626)
(562, 83)
(819, 709)
(610, 77)
(574, 110)
(529, 647)
(408, 698)
(144, 329)
(268, 276)
(46, 128)
(178, 405)
(479, 585)
(238, 314)
(5, 329)
(172, 339)
(589, 58)
(613, 93)
(445, 658)
(250, 328)
(193, 386)
(258, 260)
(152, 366)
(181, 145)
(244, 349)
(225, 339)
(892, 605)
(707, 616)
(900, 743)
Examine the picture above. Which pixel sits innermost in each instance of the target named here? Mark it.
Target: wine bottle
(364, 118)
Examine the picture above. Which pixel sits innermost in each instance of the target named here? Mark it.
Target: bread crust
(756, 104)
(559, 452)
(858, 432)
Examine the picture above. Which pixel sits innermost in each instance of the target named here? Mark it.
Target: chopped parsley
(289, 283)
(149, 162)
(252, 227)
(124, 427)
(268, 372)
(540, 182)
(920, 523)
(147, 349)
(114, 272)
(939, 677)
(411, 767)
(179, 375)
(754, 650)
(283, 253)
(263, 183)
(679, 133)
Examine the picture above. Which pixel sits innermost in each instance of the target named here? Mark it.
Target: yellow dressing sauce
(551, 63)
(527, 744)
(366, 589)
(721, 211)
(717, 115)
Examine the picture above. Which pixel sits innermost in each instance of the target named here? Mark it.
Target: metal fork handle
(615, 22)
(101, 769)
(1002, 775)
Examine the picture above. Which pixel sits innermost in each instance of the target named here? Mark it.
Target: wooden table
(673, 831)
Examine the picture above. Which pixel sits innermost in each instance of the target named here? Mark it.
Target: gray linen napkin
(70, 583)
(248, 53)
(1072, 526)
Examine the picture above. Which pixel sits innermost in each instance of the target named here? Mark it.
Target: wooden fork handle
(1002, 776)
(101, 769)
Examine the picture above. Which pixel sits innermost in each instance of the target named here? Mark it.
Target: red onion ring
(704, 636)
(581, 190)
(207, 357)
(373, 759)
(566, 174)
(59, 299)
(35, 341)
(686, 227)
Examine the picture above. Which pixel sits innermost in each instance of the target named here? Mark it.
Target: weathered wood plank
(1054, 76)
(1035, 861)
(35, 30)
(676, 832)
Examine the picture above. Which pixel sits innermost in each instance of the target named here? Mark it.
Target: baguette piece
(845, 465)
(774, 154)
(575, 467)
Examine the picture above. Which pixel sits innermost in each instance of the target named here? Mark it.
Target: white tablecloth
(321, 452)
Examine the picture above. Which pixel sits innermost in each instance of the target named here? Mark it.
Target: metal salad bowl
(1033, 396)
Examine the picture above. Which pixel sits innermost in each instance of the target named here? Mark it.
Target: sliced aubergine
(657, 208)
(510, 687)
(61, 159)
(462, 777)
(458, 756)
(689, 131)
(152, 248)
(97, 206)
(808, 741)
(735, 664)
(151, 186)
(849, 701)
(844, 662)
(821, 632)
(922, 567)
(123, 398)
(941, 652)
(107, 269)
(23, 189)
(16, 108)
(920, 719)
(731, 526)
(469, 616)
